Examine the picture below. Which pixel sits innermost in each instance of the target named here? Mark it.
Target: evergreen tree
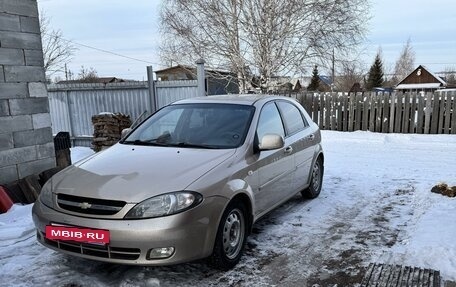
(315, 81)
(375, 77)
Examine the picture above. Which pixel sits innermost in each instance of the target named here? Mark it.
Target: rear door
(302, 141)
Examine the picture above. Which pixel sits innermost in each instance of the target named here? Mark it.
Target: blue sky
(131, 28)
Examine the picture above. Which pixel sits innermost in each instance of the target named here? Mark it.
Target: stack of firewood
(107, 128)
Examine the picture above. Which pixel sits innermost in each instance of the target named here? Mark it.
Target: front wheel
(316, 181)
(231, 237)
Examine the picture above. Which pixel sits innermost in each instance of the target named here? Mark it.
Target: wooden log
(15, 192)
(30, 187)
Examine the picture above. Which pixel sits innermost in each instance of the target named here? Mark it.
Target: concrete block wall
(26, 143)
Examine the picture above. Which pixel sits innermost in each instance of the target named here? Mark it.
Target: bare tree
(87, 75)
(266, 37)
(450, 75)
(56, 51)
(405, 64)
(351, 73)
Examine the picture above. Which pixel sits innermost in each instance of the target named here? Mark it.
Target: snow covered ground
(375, 206)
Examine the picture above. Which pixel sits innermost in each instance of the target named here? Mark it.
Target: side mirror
(125, 132)
(271, 141)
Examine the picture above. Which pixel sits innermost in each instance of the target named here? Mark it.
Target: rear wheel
(231, 237)
(316, 180)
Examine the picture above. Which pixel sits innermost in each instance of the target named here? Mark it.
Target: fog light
(160, 253)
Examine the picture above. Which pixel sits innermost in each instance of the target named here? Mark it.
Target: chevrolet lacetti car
(188, 183)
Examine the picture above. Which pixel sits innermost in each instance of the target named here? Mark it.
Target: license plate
(85, 235)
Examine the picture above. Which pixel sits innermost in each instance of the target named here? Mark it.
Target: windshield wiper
(191, 145)
(146, 143)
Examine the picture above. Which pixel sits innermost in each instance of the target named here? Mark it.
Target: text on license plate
(86, 235)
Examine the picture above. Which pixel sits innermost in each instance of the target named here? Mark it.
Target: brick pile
(107, 128)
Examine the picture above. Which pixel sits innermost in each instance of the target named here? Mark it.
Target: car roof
(242, 99)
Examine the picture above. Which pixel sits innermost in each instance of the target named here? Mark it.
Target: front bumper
(192, 233)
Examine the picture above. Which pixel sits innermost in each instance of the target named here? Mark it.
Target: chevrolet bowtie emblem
(85, 205)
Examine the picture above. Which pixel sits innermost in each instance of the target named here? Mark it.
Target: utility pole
(66, 72)
(333, 73)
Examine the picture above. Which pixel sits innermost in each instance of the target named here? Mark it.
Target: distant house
(99, 80)
(421, 80)
(324, 85)
(283, 84)
(356, 88)
(217, 82)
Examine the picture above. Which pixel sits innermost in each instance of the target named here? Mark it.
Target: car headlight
(46, 194)
(165, 204)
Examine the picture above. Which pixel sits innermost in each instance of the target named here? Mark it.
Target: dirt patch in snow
(444, 189)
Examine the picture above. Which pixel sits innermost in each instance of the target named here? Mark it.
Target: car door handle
(311, 137)
(288, 150)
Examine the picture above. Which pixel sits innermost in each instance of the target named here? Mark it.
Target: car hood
(135, 173)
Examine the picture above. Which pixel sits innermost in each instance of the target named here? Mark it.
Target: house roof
(326, 80)
(193, 70)
(99, 80)
(418, 86)
(175, 67)
(409, 82)
(435, 76)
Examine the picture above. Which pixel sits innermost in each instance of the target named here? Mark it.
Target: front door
(274, 167)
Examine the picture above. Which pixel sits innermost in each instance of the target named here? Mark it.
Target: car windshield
(212, 126)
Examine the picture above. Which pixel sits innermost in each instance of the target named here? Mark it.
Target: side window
(292, 117)
(270, 121)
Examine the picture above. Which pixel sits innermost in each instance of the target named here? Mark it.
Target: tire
(316, 180)
(231, 237)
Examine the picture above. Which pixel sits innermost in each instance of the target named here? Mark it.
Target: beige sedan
(188, 183)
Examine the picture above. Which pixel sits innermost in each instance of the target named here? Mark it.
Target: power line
(103, 50)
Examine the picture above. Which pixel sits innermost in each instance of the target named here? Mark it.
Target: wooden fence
(430, 113)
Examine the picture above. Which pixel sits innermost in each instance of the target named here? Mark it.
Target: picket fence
(421, 113)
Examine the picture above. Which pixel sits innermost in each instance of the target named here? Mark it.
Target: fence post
(151, 85)
(70, 118)
(201, 78)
